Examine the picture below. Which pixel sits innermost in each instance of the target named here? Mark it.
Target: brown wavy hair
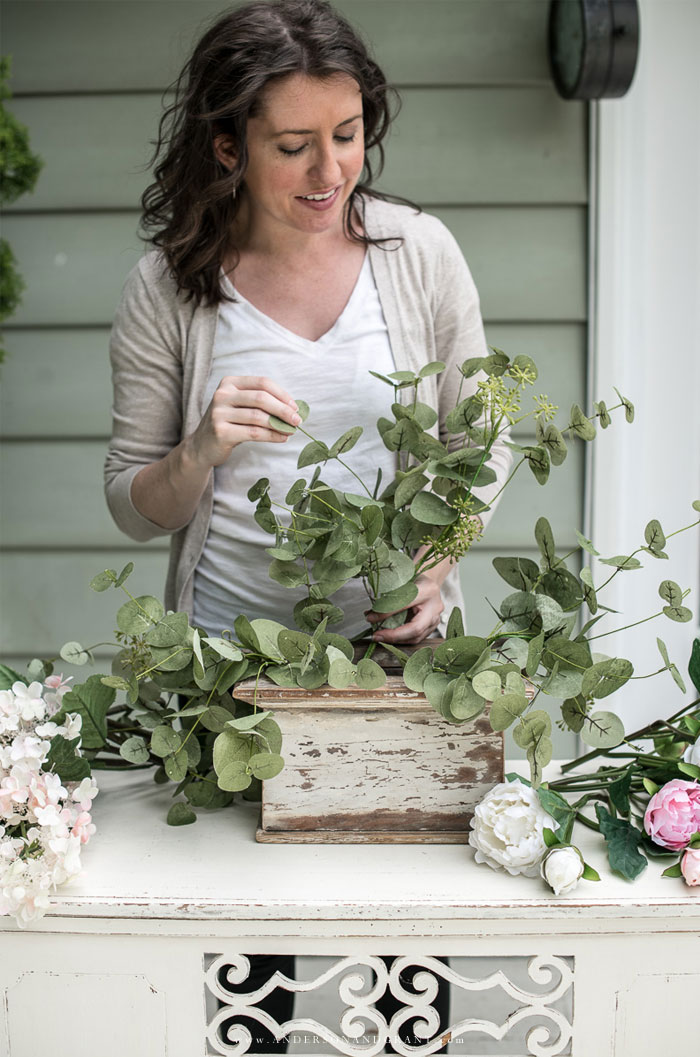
(188, 211)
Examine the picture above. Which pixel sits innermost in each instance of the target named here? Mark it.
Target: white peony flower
(692, 753)
(507, 829)
(29, 700)
(562, 868)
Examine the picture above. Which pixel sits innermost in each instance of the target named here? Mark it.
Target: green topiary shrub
(19, 169)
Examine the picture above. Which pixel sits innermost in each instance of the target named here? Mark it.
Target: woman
(277, 274)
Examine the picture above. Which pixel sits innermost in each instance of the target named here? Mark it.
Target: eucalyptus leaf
(464, 703)
(506, 709)
(628, 405)
(624, 562)
(654, 536)
(670, 592)
(341, 673)
(171, 630)
(73, 653)
(433, 367)
(265, 765)
(545, 541)
(432, 510)
(134, 750)
(520, 573)
(602, 730)
(455, 624)
(280, 425)
(269, 734)
(224, 648)
(606, 677)
(372, 522)
(681, 614)
(586, 544)
(409, 487)
(176, 766)
(553, 441)
(418, 667)
(538, 461)
(399, 599)
(249, 722)
(516, 650)
(139, 615)
(369, 674)
(103, 580)
(487, 685)
(534, 654)
(181, 814)
(580, 424)
(234, 776)
(165, 740)
(348, 440)
(315, 451)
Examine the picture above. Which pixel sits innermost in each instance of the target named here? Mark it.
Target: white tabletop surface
(138, 866)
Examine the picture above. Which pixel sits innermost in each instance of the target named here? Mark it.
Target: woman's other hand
(424, 614)
(239, 411)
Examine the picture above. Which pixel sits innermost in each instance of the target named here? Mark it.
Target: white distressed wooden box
(372, 766)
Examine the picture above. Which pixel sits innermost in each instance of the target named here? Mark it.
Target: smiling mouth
(319, 196)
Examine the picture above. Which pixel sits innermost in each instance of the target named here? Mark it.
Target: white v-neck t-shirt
(332, 376)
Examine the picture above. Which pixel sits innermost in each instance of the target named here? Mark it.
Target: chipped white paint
(373, 765)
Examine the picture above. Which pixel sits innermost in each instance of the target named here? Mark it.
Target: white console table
(126, 963)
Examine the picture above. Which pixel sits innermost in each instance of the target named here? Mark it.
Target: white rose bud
(692, 753)
(562, 868)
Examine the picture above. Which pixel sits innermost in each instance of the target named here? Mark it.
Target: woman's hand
(239, 411)
(425, 612)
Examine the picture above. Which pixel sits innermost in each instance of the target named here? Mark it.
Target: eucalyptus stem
(337, 457)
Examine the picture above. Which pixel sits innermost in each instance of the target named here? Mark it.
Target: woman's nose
(326, 167)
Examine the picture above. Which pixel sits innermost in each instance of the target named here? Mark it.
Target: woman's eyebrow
(309, 131)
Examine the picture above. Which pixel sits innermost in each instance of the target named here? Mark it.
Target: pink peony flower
(690, 866)
(673, 814)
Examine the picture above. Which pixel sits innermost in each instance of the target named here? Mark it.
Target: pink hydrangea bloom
(673, 814)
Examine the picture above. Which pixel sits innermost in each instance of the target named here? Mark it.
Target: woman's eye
(290, 151)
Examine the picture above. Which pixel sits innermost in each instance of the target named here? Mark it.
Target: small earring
(233, 192)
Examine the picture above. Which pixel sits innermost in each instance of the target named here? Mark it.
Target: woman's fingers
(424, 615)
(269, 398)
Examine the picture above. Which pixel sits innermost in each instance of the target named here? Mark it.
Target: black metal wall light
(593, 47)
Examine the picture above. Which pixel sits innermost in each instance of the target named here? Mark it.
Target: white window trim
(645, 339)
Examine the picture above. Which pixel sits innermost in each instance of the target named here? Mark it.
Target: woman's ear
(225, 151)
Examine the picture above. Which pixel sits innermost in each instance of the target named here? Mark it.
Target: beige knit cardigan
(161, 350)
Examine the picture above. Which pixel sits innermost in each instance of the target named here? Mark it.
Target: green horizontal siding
(448, 145)
(528, 262)
(67, 476)
(117, 45)
(39, 374)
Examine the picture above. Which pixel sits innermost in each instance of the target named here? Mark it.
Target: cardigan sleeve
(146, 357)
(459, 335)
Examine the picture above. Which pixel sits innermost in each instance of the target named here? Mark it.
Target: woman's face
(307, 140)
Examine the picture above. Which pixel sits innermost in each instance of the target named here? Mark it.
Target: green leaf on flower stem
(602, 730)
(538, 461)
(463, 417)
(223, 648)
(497, 363)
(418, 667)
(395, 569)
(695, 840)
(138, 615)
(681, 614)
(629, 406)
(176, 766)
(172, 630)
(654, 537)
(520, 573)
(589, 874)
(280, 425)
(103, 581)
(268, 734)
(8, 676)
(550, 612)
(516, 651)
(267, 632)
(181, 814)
(580, 424)
(589, 593)
(372, 522)
(570, 655)
(432, 510)
(673, 871)
(402, 436)
(171, 658)
(603, 414)
(214, 718)
(691, 769)
(519, 608)
(438, 688)
(534, 654)
(560, 810)
(245, 633)
(73, 653)
(677, 678)
(623, 841)
(472, 366)
(670, 592)
(506, 709)
(434, 367)
(315, 451)
(91, 700)
(369, 675)
(455, 624)
(165, 740)
(651, 787)
(563, 587)
(550, 837)
(624, 562)
(116, 682)
(265, 765)
(554, 443)
(249, 722)
(63, 759)
(532, 734)
(487, 685)
(409, 487)
(606, 677)
(348, 440)
(545, 541)
(566, 683)
(406, 532)
(464, 703)
(124, 574)
(618, 791)
(586, 544)
(696, 505)
(341, 673)
(396, 600)
(293, 645)
(663, 650)
(694, 665)
(134, 750)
